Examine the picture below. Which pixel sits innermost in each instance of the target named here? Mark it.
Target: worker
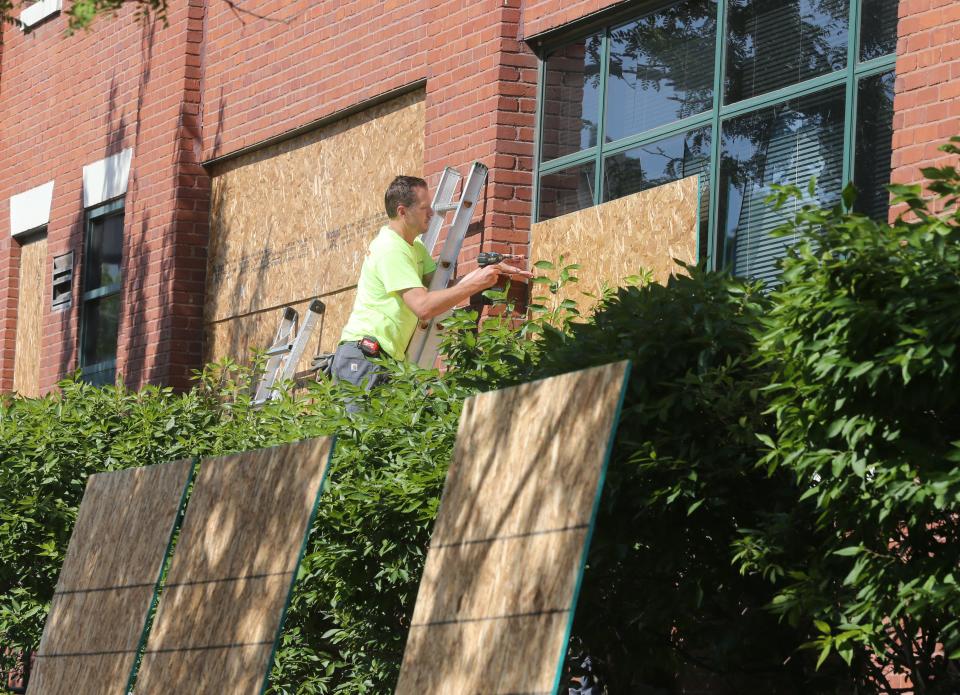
(392, 294)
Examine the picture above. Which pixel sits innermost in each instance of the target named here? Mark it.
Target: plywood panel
(30, 311)
(643, 231)
(506, 553)
(108, 579)
(236, 337)
(239, 549)
(293, 221)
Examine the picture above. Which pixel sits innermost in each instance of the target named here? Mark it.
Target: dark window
(657, 163)
(571, 99)
(878, 28)
(787, 144)
(661, 68)
(100, 312)
(777, 43)
(874, 144)
(567, 190)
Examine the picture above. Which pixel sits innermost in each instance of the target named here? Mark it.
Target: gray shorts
(352, 366)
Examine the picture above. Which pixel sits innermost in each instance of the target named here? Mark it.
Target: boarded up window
(26, 363)
(293, 221)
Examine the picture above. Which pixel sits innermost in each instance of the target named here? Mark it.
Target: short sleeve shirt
(391, 266)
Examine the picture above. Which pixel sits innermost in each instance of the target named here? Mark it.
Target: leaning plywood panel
(30, 313)
(222, 605)
(612, 241)
(108, 580)
(292, 221)
(499, 587)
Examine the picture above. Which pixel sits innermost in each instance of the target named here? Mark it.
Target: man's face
(417, 216)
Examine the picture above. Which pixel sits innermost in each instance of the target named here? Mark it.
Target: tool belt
(368, 345)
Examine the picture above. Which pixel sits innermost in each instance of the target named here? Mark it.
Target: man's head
(407, 202)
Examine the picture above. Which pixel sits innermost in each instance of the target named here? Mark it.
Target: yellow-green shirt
(391, 265)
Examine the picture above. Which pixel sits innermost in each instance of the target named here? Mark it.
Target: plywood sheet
(508, 546)
(292, 221)
(236, 337)
(30, 312)
(643, 231)
(232, 571)
(108, 579)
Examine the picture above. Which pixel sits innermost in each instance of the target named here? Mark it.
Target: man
(392, 295)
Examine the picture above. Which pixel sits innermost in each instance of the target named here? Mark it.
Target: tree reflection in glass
(571, 98)
(787, 144)
(661, 68)
(776, 43)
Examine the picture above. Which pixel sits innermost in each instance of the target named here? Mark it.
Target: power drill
(492, 258)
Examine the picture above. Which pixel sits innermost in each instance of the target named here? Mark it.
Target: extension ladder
(425, 344)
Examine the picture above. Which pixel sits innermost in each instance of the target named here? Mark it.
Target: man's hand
(427, 305)
(488, 276)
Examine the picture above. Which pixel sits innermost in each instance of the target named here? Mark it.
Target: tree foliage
(862, 342)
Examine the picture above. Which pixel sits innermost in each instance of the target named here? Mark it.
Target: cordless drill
(492, 258)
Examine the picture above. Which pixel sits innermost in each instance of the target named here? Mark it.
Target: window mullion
(568, 160)
(719, 72)
(602, 117)
(664, 131)
(537, 136)
(850, 110)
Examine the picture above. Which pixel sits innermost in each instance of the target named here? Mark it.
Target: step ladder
(424, 346)
(288, 346)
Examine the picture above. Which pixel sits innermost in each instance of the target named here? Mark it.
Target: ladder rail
(424, 346)
(442, 204)
(281, 341)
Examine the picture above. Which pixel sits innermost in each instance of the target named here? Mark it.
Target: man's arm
(426, 304)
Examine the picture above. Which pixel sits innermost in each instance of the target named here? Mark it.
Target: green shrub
(661, 597)
(862, 340)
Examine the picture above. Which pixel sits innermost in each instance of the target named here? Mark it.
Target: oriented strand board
(108, 580)
(242, 539)
(508, 547)
(30, 312)
(293, 221)
(236, 337)
(643, 231)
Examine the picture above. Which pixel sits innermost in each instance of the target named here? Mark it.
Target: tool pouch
(369, 346)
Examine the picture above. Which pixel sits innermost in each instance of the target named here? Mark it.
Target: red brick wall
(927, 100)
(542, 15)
(305, 60)
(125, 84)
(65, 104)
(481, 103)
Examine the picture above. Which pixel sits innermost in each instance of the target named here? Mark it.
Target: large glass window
(786, 144)
(100, 311)
(660, 68)
(776, 43)
(745, 94)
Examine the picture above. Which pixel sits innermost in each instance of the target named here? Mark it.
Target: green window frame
(98, 327)
(714, 118)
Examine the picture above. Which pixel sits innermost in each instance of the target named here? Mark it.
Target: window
(744, 93)
(100, 310)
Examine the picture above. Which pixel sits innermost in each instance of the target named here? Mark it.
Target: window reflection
(657, 163)
(786, 145)
(874, 145)
(104, 252)
(571, 98)
(776, 43)
(661, 68)
(878, 28)
(566, 191)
